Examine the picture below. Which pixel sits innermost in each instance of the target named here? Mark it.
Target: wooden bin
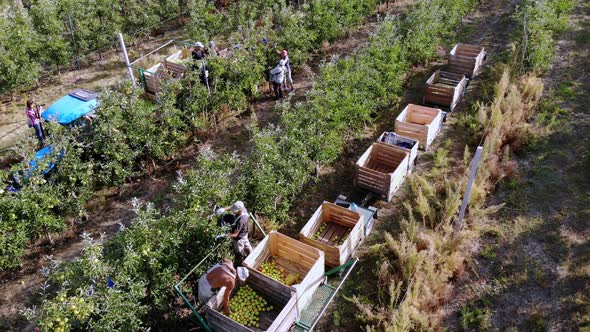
(152, 79)
(280, 319)
(340, 223)
(382, 169)
(420, 123)
(177, 69)
(295, 257)
(406, 144)
(445, 89)
(466, 59)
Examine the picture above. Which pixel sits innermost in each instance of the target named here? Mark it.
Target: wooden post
(473, 166)
(126, 58)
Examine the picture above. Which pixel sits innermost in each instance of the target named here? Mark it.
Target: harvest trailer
(299, 306)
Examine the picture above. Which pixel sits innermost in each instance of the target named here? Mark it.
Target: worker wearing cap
(239, 234)
(288, 80)
(277, 77)
(198, 52)
(220, 275)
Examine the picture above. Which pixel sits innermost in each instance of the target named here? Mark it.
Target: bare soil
(532, 272)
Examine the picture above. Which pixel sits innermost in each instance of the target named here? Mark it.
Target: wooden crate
(406, 144)
(382, 169)
(294, 257)
(420, 123)
(466, 59)
(177, 69)
(280, 319)
(445, 89)
(153, 80)
(340, 223)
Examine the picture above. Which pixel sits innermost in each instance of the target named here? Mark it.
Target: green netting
(312, 311)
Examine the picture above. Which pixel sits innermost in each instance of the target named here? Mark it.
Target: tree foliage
(19, 45)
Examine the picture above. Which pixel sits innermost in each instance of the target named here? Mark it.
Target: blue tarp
(68, 109)
(39, 157)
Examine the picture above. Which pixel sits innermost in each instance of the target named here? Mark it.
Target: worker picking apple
(239, 230)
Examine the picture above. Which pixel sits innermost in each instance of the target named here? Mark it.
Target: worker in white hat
(198, 51)
(239, 234)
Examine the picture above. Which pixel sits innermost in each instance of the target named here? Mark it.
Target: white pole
(474, 164)
(126, 58)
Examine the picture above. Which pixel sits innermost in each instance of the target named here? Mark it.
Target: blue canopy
(68, 109)
(39, 157)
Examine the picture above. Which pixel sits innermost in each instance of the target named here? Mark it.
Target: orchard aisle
(532, 273)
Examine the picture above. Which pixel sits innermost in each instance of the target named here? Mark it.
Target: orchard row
(144, 261)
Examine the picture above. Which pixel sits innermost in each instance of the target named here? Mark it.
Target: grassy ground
(533, 268)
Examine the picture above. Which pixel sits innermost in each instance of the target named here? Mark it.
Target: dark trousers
(38, 132)
(277, 89)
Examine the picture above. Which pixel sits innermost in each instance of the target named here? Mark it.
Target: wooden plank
(322, 235)
(271, 289)
(294, 256)
(455, 76)
(437, 89)
(290, 267)
(284, 240)
(330, 233)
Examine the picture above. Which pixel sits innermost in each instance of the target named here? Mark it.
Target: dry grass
(417, 265)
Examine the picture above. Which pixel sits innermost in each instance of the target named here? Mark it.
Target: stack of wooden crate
(335, 230)
(382, 169)
(294, 257)
(444, 89)
(466, 59)
(420, 123)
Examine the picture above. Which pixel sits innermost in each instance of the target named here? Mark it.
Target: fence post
(126, 58)
(473, 168)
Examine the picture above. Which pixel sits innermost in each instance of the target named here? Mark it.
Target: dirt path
(112, 208)
(533, 270)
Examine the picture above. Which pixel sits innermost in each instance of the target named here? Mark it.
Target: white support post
(473, 169)
(126, 58)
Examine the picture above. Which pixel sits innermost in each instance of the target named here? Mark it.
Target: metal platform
(322, 297)
(320, 300)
